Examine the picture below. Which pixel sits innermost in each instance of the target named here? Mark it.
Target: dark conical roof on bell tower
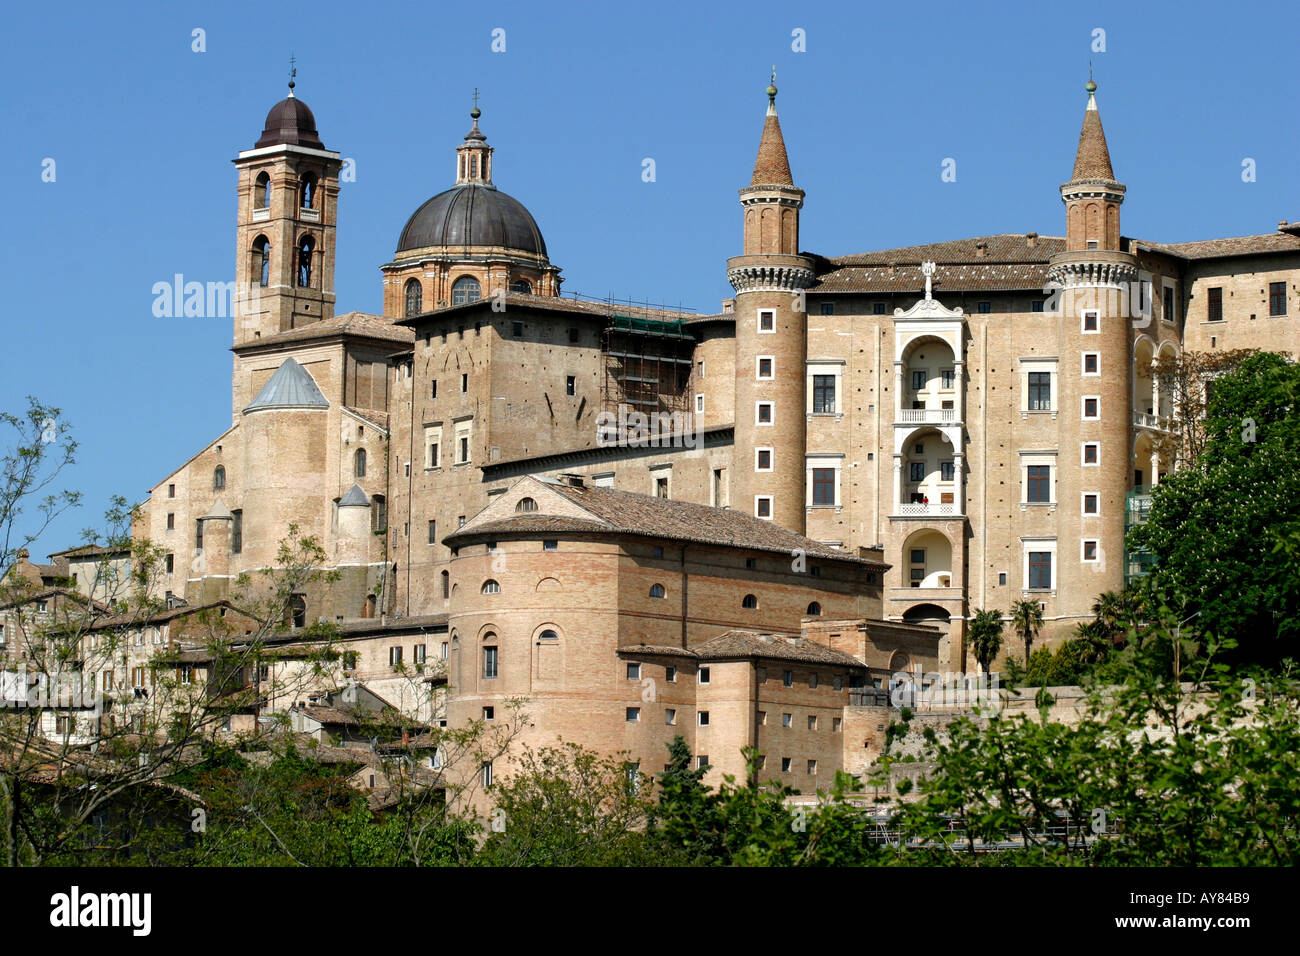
(772, 168)
(1092, 159)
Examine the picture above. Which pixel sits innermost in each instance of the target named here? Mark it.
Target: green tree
(1214, 526)
(985, 637)
(1027, 619)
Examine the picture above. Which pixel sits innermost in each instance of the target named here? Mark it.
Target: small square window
(785, 764)
(877, 308)
(702, 762)
(670, 674)
(983, 308)
(812, 766)
(766, 321)
(763, 413)
(1091, 363)
(1002, 579)
(489, 713)
(550, 545)
(1090, 503)
(812, 721)
(762, 718)
(703, 717)
(1091, 407)
(828, 308)
(763, 506)
(633, 715)
(787, 678)
(763, 459)
(1036, 305)
(670, 716)
(764, 366)
(787, 720)
(633, 670)
(703, 675)
(1091, 453)
(1090, 550)
(1090, 321)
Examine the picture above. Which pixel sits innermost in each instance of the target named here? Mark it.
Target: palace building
(893, 438)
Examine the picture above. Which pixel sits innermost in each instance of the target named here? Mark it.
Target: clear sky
(142, 129)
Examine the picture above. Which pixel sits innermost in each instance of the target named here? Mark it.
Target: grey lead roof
(290, 387)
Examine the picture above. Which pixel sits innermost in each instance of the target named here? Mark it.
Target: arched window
(308, 195)
(749, 601)
(656, 590)
(526, 504)
(414, 294)
(378, 514)
(359, 463)
(548, 635)
(305, 249)
(298, 609)
(814, 609)
(219, 478)
(491, 587)
(521, 285)
(262, 260)
(465, 289)
(262, 193)
(446, 584)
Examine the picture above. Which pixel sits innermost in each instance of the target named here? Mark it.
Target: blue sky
(142, 130)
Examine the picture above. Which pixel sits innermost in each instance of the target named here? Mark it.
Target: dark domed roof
(473, 214)
(290, 122)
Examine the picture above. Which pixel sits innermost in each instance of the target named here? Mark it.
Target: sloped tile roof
(354, 324)
(290, 387)
(978, 264)
(624, 512)
(354, 497)
(1230, 246)
(1092, 159)
(756, 644)
(772, 167)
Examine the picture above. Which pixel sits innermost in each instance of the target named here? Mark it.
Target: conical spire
(772, 168)
(1092, 160)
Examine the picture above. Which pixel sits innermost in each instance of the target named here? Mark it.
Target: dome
(473, 214)
(290, 122)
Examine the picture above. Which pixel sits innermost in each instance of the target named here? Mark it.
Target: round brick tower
(771, 338)
(1097, 308)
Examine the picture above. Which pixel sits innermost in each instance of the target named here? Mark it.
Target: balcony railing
(918, 509)
(927, 416)
(1145, 420)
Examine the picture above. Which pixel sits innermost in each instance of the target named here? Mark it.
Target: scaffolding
(648, 365)
(1137, 508)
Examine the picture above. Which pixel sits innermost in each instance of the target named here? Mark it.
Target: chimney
(1031, 239)
(892, 268)
(981, 249)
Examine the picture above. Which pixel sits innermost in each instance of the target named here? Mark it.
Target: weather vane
(774, 74)
(476, 97)
(293, 72)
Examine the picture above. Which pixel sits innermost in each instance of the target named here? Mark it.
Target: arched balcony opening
(927, 560)
(928, 475)
(928, 380)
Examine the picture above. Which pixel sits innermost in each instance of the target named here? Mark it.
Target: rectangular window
(763, 506)
(487, 773)
(236, 531)
(433, 389)
(198, 535)
(1040, 391)
(699, 403)
(823, 486)
(919, 377)
(1040, 570)
(633, 715)
(489, 662)
(1090, 502)
(947, 471)
(764, 370)
(670, 674)
(395, 656)
(435, 455)
(433, 531)
(421, 652)
(823, 394)
(787, 720)
(1091, 453)
(1090, 321)
(947, 379)
(171, 521)
(1002, 579)
(489, 713)
(837, 724)
(1214, 307)
(703, 675)
(983, 308)
(570, 385)
(787, 678)
(1036, 305)
(171, 563)
(1091, 363)
(1091, 407)
(1038, 483)
(763, 413)
(766, 321)
(171, 491)
(1277, 298)
(701, 762)
(785, 764)
(877, 308)
(464, 382)
(1089, 550)
(670, 716)
(549, 544)
(704, 718)
(812, 722)
(463, 448)
(1168, 311)
(916, 471)
(633, 670)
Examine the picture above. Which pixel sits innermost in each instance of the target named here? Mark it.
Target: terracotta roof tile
(768, 646)
(1230, 246)
(355, 324)
(977, 264)
(772, 167)
(1092, 159)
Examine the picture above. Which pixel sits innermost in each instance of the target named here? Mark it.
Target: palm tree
(1027, 619)
(986, 637)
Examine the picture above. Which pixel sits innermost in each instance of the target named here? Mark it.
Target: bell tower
(287, 213)
(771, 338)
